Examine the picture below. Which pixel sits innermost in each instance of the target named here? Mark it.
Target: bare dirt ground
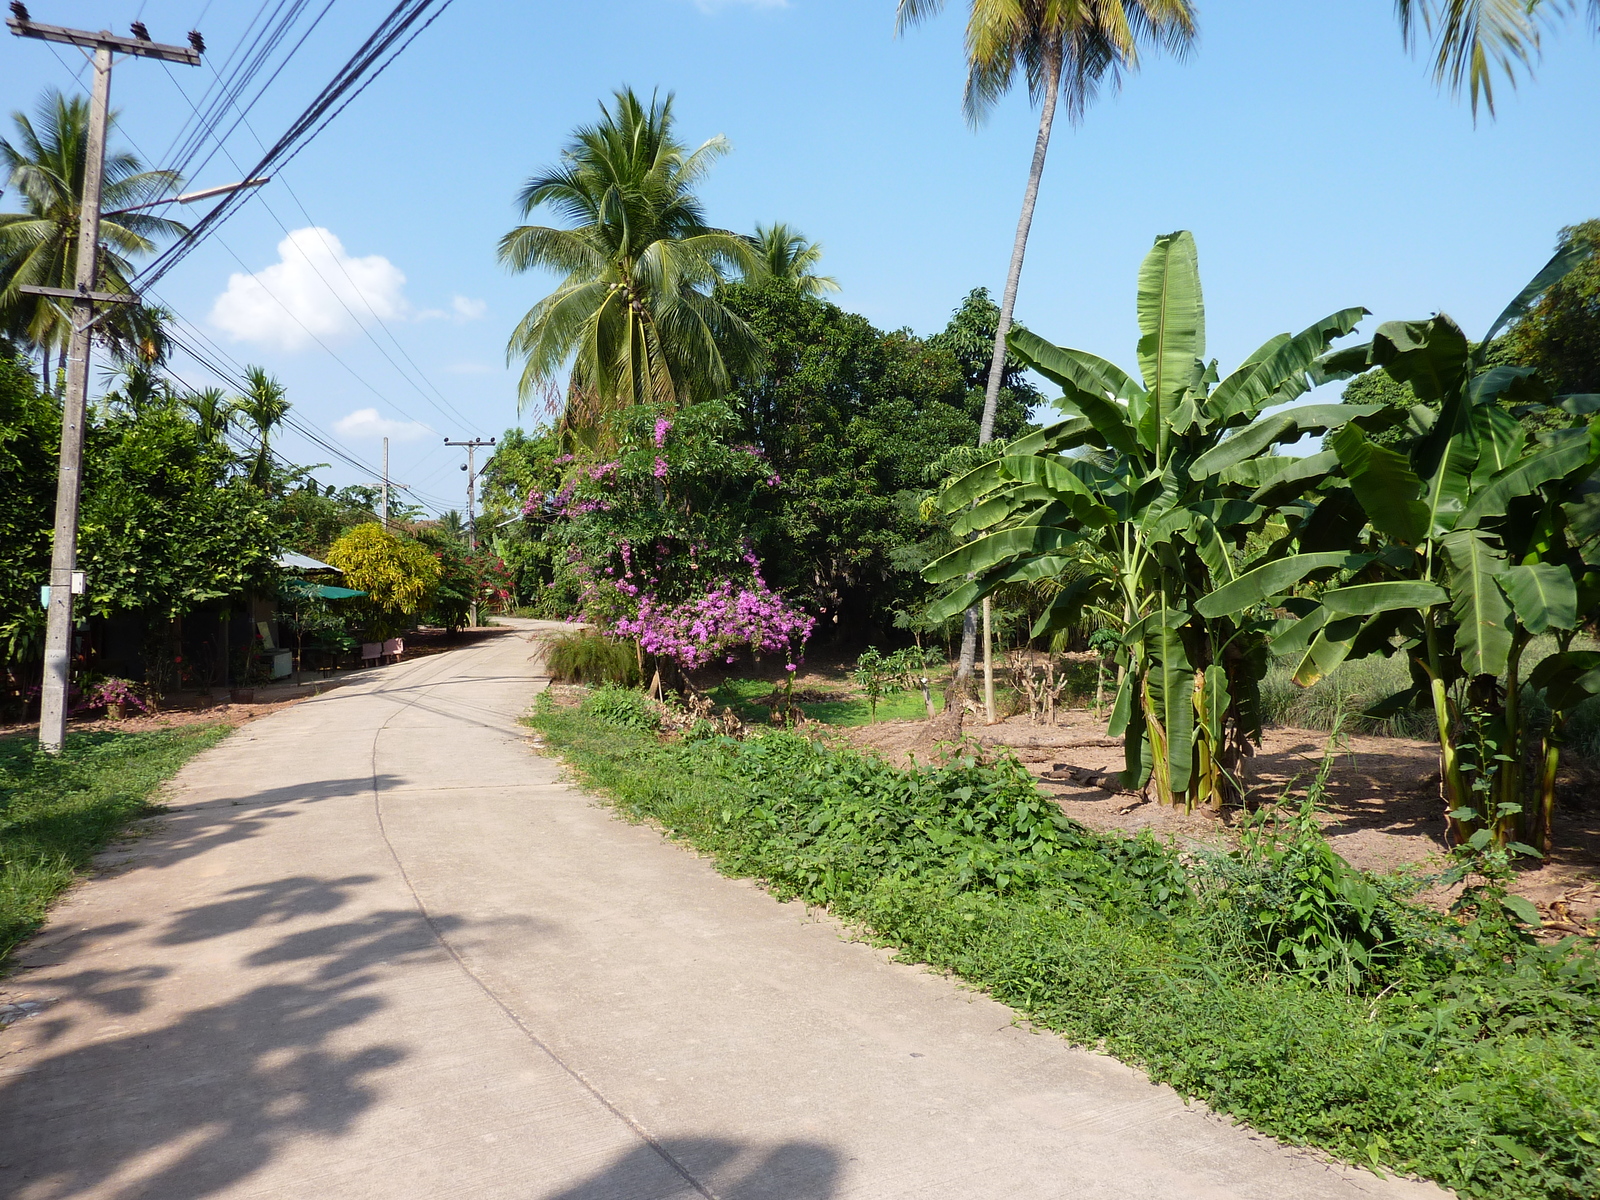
(1383, 810)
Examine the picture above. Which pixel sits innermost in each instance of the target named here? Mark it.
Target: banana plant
(1156, 501)
(1478, 541)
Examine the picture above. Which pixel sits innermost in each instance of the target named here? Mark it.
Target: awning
(321, 591)
(290, 561)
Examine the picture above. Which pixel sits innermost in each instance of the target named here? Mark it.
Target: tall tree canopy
(634, 313)
(787, 254)
(39, 245)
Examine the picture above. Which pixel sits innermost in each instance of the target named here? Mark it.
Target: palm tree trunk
(1008, 302)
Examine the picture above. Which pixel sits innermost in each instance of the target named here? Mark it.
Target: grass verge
(56, 813)
(1360, 1024)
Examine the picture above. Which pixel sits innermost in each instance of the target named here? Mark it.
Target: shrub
(622, 708)
(399, 576)
(585, 657)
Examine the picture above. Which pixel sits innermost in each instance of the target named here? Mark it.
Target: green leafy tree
(44, 166)
(399, 576)
(1066, 50)
(1559, 337)
(310, 518)
(635, 313)
(1171, 483)
(166, 525)
(30, 427)
(786, 254)
(849, 417)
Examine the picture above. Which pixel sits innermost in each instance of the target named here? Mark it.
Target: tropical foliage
(1167, 497)
(787, 255)
(398, 575)
(44, 165)
(1479, 539)
(634, 314)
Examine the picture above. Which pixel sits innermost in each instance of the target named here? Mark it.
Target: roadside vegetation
(1274, 982)
(57, 813)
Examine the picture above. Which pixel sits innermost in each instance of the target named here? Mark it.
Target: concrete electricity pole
(470, 467)
(386, 483)
(64, 552)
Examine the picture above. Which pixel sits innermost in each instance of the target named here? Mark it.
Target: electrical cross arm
(33, 289)
(105, 39)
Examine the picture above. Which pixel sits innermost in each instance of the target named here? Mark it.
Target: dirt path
(378, 949)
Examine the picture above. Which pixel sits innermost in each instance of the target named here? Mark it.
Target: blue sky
(1312, 157)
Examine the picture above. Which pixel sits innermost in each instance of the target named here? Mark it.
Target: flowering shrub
(107, 692)
(728, 616)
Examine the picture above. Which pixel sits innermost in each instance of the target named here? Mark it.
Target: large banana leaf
(1542, 595)
(1429, 355)
(1328, 649)
(1523, 478)
(986, 552)
(1169, 683)
(1254, 587)
(1364, 599)
(1482, 614)
(1568, 678)
(1084, 371)
(1271, 375)
(1066, 609)
(1280, 427)
(1172, 325)
(976, 483)
(1299, 476)
(1027, 570)
(1389, 491)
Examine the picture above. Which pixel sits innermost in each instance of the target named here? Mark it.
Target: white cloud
(366, 423)
(311, 292)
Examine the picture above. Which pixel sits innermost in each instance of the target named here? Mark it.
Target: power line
(353, 78)
(446, 409)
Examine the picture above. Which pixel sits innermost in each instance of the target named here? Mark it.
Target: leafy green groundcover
(1468, 1059)
(56, 813)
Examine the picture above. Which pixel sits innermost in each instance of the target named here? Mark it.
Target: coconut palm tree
(634, 313)
(788, 255)
(1472, 37)
(1066, 49)
(45, 165)
(262, 407)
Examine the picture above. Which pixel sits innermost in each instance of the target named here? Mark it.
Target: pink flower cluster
(663, 425)
(727, 616)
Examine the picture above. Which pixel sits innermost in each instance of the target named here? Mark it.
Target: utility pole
(386, 483)
(471, 468)
(64, 551)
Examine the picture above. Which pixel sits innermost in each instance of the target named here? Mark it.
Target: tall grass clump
(56, 813)
(1276, 983)
(585, 657)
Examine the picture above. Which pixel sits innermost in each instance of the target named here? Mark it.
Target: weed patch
(1276, 984)
(56, 813)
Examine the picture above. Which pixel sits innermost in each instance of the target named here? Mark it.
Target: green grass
(1465, 1055)
(56, 813)
(846, 710)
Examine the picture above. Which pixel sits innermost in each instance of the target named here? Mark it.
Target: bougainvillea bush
(657, 540)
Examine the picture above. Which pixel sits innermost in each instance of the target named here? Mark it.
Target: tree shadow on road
(730, 1170)
(185, 1109)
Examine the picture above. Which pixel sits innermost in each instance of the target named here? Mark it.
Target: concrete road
(378, 949)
